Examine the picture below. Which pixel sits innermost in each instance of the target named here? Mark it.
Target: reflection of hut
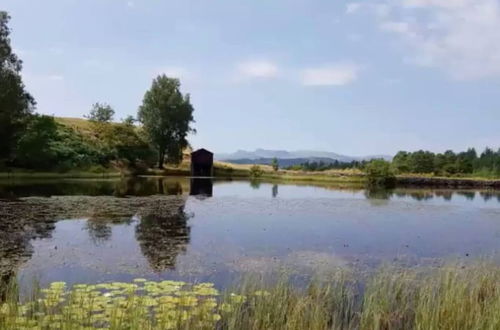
(201, 187)
(202, 163)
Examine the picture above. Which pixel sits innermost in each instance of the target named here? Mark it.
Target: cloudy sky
(354, 77)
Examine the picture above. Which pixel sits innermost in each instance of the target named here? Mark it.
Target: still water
(201, 230)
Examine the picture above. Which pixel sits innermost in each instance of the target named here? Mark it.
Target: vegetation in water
(452, 297)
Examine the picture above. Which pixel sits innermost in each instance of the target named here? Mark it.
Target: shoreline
(401, 181)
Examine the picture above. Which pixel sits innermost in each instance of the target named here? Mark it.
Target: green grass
(451, 297)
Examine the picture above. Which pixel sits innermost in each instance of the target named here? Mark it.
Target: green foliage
(256, 171)
(449, 163)
(324, 166)
(37, 147)
(101, 112)
(379, 173)
(167, 115)
(129, 120)
(15, 103)
(421, 162)
(47, 145)
(274, 164)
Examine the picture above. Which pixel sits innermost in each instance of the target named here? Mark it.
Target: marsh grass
(451, 297)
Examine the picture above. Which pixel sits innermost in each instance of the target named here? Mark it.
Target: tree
(379, 173)
(16, 104)
(274, 164)
(35, 147)
(400, 162)
(101, 112)
(167, 115)
(129, 120)
(421, 162)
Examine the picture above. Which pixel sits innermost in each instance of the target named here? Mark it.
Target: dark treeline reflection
(425, 195)
(140, 186)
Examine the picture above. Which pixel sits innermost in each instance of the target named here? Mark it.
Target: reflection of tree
(469, 195)
(275, 190)
(99, 230)
(378, 193)
(20, 223)
(446, 194)
(378, 196)
(162, 236)
(421, 195)
(255, 184)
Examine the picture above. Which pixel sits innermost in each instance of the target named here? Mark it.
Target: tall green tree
(167, 115)
(16, 104)
(275, 164)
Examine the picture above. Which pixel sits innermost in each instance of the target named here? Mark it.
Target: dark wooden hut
(202, 163)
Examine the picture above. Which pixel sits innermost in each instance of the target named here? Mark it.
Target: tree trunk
(161, 159)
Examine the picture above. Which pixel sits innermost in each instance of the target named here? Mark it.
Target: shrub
(256, 171)
(380, 173)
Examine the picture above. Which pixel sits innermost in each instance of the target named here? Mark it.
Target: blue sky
(354, 77)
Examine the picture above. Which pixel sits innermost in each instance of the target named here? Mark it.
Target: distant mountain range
(289, 158)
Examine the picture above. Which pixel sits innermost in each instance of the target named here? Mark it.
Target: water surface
(196, 230)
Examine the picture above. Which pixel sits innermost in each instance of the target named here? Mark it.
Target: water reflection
(202, 187)
(275, 191)
(255, 184)
(163, 237)
(17, 230)
(161, 227)
(148, 186)
(427, 195)
(232, 226)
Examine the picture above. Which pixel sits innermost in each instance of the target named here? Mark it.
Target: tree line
(487, 163)
(35, 141)
(324, 166)
(449, 163)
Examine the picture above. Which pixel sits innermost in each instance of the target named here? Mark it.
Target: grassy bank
(451, 297)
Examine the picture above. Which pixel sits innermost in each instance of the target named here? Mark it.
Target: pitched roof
(201, 150)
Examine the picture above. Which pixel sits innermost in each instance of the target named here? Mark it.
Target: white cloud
(330, 75)
(460, 37)
(130, 4)
(257, 69)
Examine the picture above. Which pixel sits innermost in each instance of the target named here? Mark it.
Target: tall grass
(452, 297)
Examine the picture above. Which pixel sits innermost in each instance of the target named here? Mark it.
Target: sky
(352, 77)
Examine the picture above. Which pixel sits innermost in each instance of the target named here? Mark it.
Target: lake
(86, 231)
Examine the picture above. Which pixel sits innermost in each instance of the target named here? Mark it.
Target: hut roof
(202, 150)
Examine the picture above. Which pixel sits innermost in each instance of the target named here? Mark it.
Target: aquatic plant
(451, 297)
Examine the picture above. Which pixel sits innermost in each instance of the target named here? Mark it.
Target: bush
(256, 171)
(379, 173)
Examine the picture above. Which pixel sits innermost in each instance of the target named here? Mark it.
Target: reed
(450, 297)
